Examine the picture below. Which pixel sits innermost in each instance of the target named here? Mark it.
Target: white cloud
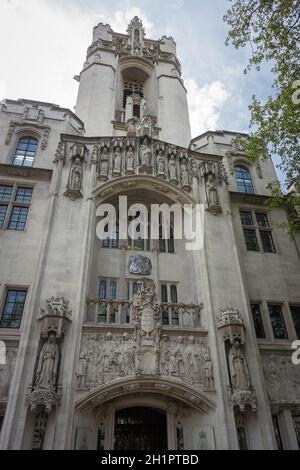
(43, 45)
(120, 20)
(205, 105)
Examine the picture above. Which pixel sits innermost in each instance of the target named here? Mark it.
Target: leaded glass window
(13, 308)
(295, 311)
(277, 321)
(257, 320)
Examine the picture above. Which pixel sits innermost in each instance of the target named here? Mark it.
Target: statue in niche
(176, 363)
(81, 372)
(172, 168)
(76, 175)
(239, 374)
(146, 154)
(117, 160)
(211, 188)
(184, 174)
(129, 160)
(161, 163)
(47, 369)
(104, 163)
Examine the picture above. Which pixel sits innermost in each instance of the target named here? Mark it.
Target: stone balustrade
(120, 312)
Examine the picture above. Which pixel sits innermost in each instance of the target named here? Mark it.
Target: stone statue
(239, 374)
(176, 364)
(117, 160)
(76, 175)
(129, 160)
(104, 163)
(211, 188)
(81, 372)
(46, 373)
(191, 359)
(146, 154)
(172, 168)
(161, 163)
(184, 174)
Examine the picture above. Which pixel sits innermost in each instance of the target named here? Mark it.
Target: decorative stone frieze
(138, 264)
(144, 350)
(282, 379)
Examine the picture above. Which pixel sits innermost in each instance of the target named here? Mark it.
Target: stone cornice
(41, 174)
(259, 199)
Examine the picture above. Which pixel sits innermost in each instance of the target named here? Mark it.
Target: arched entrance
(140, 428)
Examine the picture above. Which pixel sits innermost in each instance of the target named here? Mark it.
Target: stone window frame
(258, 229)
(13, 203)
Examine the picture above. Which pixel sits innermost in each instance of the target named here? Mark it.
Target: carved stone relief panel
(282, 377)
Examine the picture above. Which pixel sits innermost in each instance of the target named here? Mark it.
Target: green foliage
(272, 30)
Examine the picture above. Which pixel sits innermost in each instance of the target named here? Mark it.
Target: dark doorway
(141, 428)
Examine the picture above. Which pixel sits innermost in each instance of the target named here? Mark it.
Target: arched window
(25, 152)
(243, 179)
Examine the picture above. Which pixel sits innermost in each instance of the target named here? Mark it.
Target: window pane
(18, 218)
(102, 290)
(112, 290)
(246, 218)
(135, 288)
(24, 195)
(25, 151)
(295, 311)
(262, 220)
(13, 309)
(267, 241)
(277, 322)
(174, 298)
(251, 240)
(3, 210)
(164, 293)
(258, 324)
(5, 193)
(105, 243)
(243, 180)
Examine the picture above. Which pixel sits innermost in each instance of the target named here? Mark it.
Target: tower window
(25, 152)
(13, 308)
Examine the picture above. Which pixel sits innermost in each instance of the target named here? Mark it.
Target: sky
(43, 45)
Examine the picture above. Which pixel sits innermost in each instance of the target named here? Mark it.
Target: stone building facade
(140, 344)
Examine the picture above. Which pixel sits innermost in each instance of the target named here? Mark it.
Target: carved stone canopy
(243, 399)
(54, 317)
(230, 322)
(43, 400)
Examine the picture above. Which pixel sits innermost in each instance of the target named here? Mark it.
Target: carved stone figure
(81, 372)
(10, 132)
(239, 374)
(138, 264)
(117, 160)
(176, 364)
(172, 169)
(76, 175)
(208, 373)
(161, 163)
(104, 164)
(211, 188)
(146, 154)
(129, 160)
(47, 369)
(184, 174)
